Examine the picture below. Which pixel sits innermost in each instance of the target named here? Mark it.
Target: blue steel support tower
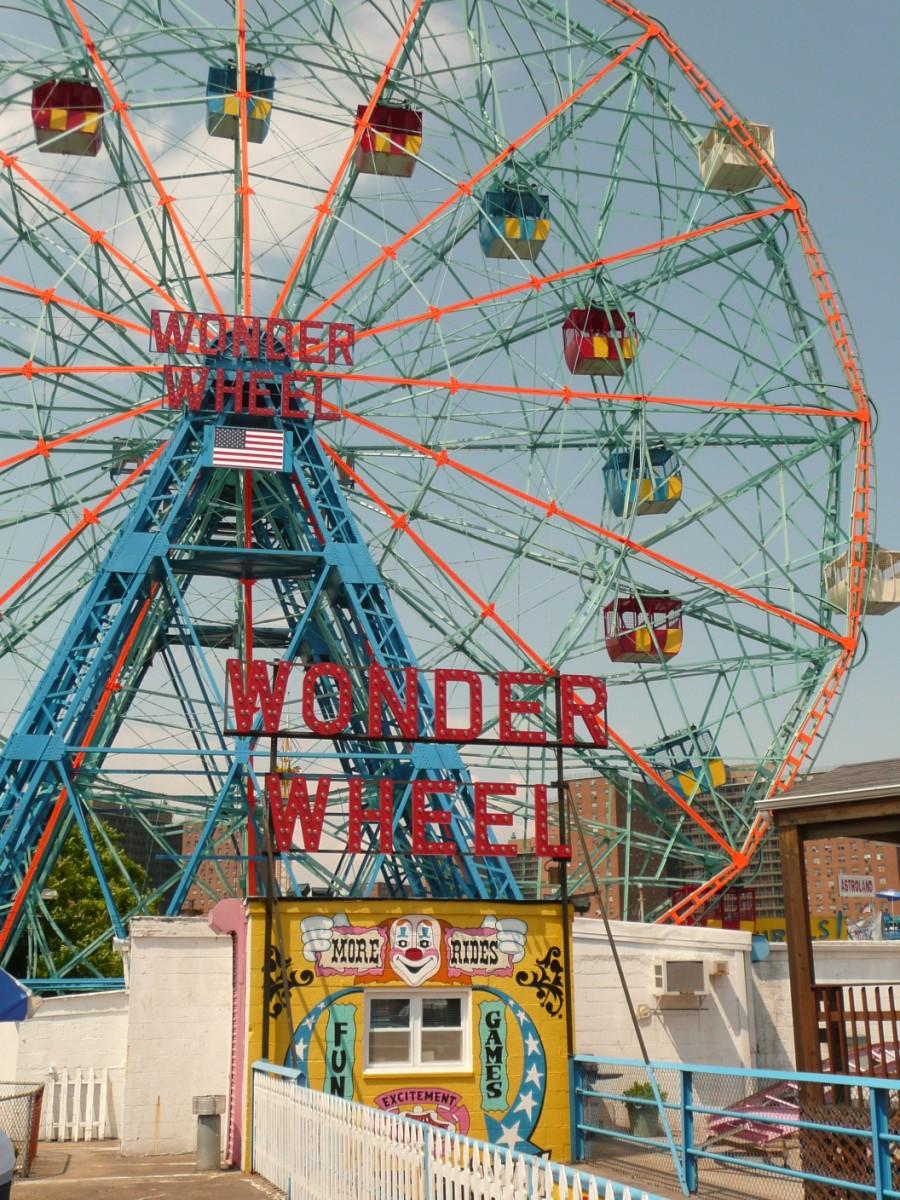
(142, 621)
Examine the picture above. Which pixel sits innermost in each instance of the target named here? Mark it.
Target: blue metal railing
(752, 1113)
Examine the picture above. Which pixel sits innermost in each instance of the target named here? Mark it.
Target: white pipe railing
(311, 1145)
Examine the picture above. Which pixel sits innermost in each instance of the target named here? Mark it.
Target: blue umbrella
(16, 1002)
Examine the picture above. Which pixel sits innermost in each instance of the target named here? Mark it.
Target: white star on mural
(533, 1076)
(522, 1016)
(526, 1104)
(532, 1043)
(307, 1024)
(510, 1137)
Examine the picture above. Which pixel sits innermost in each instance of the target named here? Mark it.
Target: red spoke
(731, 121)
(324, 209)
(28, 369)
(858, 567)
(401, 521)
(652, 773)
(48, 296)
(465, 189)
(551, 509)
(43, 447)
(244, 191)
(827, 296)
(682, 912)
(536, 282)
(567, 395)
(487, 611)
(90, 516)
(96, 236)
(120, 107)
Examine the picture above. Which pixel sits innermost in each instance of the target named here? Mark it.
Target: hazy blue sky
(824, 74)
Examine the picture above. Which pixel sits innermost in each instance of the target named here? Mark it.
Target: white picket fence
(76, 1106)
(311, 1145)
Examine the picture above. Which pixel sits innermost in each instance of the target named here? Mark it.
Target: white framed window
(423, 1030)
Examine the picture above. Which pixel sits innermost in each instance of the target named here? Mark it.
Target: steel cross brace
(343, 608)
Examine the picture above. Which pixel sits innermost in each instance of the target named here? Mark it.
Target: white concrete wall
(717, 1029)
(9, 1051)
(169, 1038)
(68, 1033)
(835, 962)
(179, 1030)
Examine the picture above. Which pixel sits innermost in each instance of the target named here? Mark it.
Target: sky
(823, 73)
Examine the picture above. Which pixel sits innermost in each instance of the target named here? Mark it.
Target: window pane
(441, 1045)
(441, 1013)
(389, 1014)
(388, 1047)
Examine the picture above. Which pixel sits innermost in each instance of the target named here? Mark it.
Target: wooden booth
(849, 1028)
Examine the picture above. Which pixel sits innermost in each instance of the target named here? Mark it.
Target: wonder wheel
(603, 415)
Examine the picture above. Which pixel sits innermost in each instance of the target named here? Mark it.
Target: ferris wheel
(604, 414)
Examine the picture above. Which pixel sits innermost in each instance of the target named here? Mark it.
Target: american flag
(248, 449)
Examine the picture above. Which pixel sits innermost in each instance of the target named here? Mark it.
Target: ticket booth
(451, 1012)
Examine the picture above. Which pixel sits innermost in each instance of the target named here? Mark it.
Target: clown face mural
(393, 1000)
(415, 948)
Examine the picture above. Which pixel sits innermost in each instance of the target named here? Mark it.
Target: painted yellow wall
(510, 958)
(821, 929)
(774, 929)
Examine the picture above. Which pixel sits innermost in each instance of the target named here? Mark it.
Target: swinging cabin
(391, 141)
(598, 341)
(514, 223)
(647, 485)
(67, 115)
(643, 629)
(692, 758)
(223, 105)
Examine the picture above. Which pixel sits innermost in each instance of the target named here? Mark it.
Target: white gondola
(727, 166)
(882, 587)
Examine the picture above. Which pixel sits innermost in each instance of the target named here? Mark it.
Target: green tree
(79, 911)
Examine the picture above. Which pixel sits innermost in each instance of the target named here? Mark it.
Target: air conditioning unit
(680, 977)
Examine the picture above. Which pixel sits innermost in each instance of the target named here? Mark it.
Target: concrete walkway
(96, 1171)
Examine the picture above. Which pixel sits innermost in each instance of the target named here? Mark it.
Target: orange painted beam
(551, 509)
(536, 282)
(48, 296)
(44, 447)
(244, 191)
(324, 209)
(466, 188)
(96, 236)
(120, 107)
(567, 395)
(488, 612)
(29, 369)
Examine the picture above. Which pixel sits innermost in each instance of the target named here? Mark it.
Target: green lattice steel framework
(744, 367)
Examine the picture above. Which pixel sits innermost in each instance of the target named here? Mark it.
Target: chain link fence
(750, 1135)
(20, 1119)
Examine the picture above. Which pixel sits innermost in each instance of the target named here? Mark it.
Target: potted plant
(643, 1118)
